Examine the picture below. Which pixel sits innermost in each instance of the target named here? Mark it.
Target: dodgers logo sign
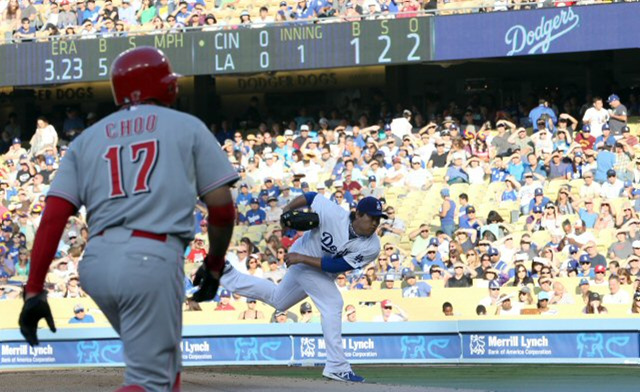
(539, 39)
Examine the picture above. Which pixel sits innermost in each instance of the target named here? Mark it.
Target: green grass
(501, 378)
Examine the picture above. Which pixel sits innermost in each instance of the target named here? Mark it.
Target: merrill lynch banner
(279, 350)
(549, 30)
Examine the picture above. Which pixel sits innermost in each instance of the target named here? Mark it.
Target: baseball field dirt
(381, 378)
(194, 380)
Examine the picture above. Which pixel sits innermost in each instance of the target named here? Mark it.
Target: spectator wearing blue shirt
(244, 197)
(539, 199)
(262, 198)
(585, 267)
(558, 168)
(496, 263)
(302, 11)
(539, 111)
(455, 173)
(272, 189)
(92, 12)
(607, 137)
(80, 317)
(510, 193)
(516, 167)
(256, 215)
(534, 166)
(428, 259)
(499, 172)
(604, 162)
(414, 289)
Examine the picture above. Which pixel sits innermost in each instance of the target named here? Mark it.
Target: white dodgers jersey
(331, 237)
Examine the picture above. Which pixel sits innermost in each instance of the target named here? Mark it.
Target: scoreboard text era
(226, 51)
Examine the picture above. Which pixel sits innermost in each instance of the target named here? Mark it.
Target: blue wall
(548, 341)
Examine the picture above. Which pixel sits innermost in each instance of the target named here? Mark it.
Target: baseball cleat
(349, 376)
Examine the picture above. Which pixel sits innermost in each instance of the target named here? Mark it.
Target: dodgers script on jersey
(143, 168)
(331, 237)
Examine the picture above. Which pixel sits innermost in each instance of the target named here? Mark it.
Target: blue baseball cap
(583, 281)
(49, 161)
(586, 128)
(251, 300)
(433, 241)
(493, 251)
(611, 173)
(543, 295)
(613, 97)
(606, 127)
(444, 192)
(225, 293)
(573, 249)
(387, 127)
(384, 8)
(16, 140)
(372, 178)
(635, 192)
(353, 204)
(394, 257)
(585, 259)
(537, 209)
(572, 265)
(539, 192)
(254, 201)
(627, 184)
(494, 284)
(371, 206)
(244, 185)
(304, 185)
(263, 193)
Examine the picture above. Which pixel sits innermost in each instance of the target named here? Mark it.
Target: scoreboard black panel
(226, 51)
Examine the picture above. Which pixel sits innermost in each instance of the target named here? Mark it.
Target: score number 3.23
(70, 69)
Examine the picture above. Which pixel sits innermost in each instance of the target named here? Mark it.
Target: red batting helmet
(142, 74)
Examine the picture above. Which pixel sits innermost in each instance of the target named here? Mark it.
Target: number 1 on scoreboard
(356, 46)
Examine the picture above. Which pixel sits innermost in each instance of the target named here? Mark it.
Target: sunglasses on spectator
(431, 251)
(307, 312)
(495, 289)
(242, 251)
(341, 277)
(439, 145)
(388, 248)
(388, 307)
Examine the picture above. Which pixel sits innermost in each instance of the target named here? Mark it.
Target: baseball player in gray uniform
(138, 172)
(341, 242)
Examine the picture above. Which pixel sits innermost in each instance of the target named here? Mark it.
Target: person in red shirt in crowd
(198, 250)
(585, 139)
(225, 299)
(349, 185)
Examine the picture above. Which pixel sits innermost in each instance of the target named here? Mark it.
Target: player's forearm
(315, 262)
(54, 220)
(221, 220)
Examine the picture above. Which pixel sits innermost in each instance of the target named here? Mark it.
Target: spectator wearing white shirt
(542, 140)
(418, 177)
(396, 175)
(590, 188)
(596, 116)
(616, 296)
(388, 315)
(612, 188)
(127, 13)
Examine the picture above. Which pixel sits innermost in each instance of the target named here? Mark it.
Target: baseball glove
(301, 221)
(208, 284)
(34, 309)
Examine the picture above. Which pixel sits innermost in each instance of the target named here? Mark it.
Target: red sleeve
(54, 219)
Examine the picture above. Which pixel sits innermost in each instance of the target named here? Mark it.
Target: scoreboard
(226, 51)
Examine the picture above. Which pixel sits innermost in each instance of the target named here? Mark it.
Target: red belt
(146, 234)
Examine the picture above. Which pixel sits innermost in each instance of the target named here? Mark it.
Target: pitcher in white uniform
(343, 241)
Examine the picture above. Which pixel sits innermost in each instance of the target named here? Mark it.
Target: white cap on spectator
(635, 244)
(416, 159)
(288, 132)
(304, 127)
(338, 183)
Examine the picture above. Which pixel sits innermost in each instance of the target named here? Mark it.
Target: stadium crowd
(585, 152)
(31, 20)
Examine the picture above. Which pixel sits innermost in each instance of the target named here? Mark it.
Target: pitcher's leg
(324, 293)
(281, 296)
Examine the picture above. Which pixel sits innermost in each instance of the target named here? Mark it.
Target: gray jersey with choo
(143, 168)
